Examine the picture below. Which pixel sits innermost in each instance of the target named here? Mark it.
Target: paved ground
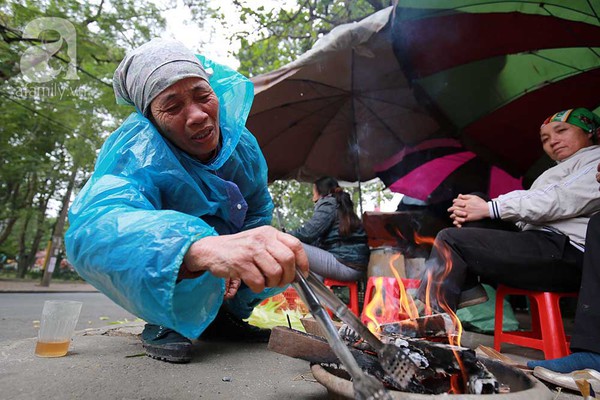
(101, 366)
(20, 312)
(109, 363)
(29, 286)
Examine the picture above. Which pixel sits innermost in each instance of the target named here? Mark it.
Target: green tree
(285, 33)
(50, 129)
(293, 203)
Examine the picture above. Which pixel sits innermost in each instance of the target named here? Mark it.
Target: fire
(452, 339)
(392, 303)
(424, 239)
(407, 307)
(382, 305)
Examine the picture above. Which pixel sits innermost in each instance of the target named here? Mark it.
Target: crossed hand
(466, 208)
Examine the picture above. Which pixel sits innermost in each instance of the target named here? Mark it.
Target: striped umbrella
(438, 170)
(494, 70)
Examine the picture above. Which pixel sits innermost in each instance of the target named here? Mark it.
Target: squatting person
(173, 225)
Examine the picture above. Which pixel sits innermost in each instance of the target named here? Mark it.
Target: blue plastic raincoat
(147, 202)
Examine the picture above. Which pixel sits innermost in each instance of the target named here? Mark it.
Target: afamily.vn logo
(34, 63)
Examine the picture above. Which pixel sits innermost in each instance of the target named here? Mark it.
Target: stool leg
(354, 299)
(534, 313)
(553, 331)
(498, 319)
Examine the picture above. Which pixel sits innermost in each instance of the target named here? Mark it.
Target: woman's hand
(467, 208)
(598, 174)
(260, 257)
(231, 288)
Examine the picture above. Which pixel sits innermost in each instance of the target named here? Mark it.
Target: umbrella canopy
(438, 170)
(488, 72)
(496, 69)
(340, 108)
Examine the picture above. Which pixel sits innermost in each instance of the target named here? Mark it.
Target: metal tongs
(366, 387)
(399, 368)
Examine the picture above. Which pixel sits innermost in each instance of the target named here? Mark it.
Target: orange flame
(455, 339)
(392, 303)
(452, 339)
(371, 309)
(424, 239)
(428, 294)
(407, 306)
(400, 235)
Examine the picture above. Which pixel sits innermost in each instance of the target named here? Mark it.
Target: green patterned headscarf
(581, 117)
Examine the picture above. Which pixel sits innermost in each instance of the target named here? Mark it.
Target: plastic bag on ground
(481, 317)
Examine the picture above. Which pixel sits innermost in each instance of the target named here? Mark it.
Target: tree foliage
(50, 128)
(287, 32)
(293, 203)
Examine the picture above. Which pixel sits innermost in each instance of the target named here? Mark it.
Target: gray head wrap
(151, 68)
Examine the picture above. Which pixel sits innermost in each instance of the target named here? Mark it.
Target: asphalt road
(18, 311)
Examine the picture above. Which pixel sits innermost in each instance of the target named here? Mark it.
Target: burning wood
(440, 365)
(315, 349)
(428, 327)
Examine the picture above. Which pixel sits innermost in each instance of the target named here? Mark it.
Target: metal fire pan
(522, 386)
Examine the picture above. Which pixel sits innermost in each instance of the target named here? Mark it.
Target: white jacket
(563, 198)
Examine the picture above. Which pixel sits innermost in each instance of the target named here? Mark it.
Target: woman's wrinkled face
(561, 140)
(187, 113)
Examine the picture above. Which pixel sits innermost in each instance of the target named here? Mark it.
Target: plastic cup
(57, 326)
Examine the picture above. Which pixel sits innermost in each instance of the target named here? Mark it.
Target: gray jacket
(563, 198)
(322, 231)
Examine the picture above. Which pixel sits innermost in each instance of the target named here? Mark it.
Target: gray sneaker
(165, 344)
(472, 296)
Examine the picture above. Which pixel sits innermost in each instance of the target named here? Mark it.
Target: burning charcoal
(478, 385)
(430, 326)
(351, 338)
(480, 380)
(315, 349)
(438, 363)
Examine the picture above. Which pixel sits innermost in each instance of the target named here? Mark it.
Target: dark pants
(532, 260)
(586, 334)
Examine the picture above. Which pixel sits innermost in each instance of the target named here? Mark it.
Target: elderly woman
(545, 250)
(176, 213)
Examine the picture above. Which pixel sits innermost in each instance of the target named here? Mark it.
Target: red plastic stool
(547, 330)
(352, 287)
(390, 292)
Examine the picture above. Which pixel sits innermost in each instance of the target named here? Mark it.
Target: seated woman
(336, 228)
(546, 252)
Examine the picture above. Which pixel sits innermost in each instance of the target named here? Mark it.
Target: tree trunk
(11, 199)
(7, 229)
(39, 233)
(27, 203)
(22, 255)
(57, 234)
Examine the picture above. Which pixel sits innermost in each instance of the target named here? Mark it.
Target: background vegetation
(50, 133)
